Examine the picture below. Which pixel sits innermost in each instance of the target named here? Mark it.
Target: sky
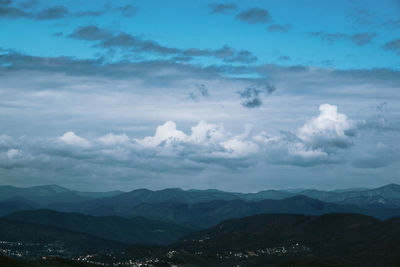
(237, 96)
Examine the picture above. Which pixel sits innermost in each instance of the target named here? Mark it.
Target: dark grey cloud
(12, 12)
(284, 58)
(14, 62)
(200, 92)
(393, 45)
(129, 42)
(58, 12)
(125, 40)
(242, 56)
(90, 33)
(226, 53)
(329, 37)
(360, 16)
(127, 11)
(250, 98)
(391, 23)
(122, 40)
(280, 28)
(359, 39)
(11, 61)
(29, 4)
(222, 8)
(254, 16)
(90, 13)
(55, 12)
(251, 95)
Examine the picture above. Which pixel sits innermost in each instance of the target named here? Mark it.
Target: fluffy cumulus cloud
(70, 138)
(114, 139)
(329, 129)
(206, 140)
(166, 134)
(327, 138)
(315, 142)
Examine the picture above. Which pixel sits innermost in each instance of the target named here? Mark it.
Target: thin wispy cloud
(254, 16)
(359, 39)
(222, 8)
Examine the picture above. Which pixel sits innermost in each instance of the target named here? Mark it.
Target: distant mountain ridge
(164, 205)
(46, 194)
(56, 194)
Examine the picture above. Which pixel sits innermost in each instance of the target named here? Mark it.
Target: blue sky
(239, 96)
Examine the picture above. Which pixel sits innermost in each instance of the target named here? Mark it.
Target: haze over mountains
(139, 202)
(388, 194)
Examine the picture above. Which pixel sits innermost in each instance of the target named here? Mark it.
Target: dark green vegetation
(67, 242)
(329, 240)
(129, 231)
(247, 229)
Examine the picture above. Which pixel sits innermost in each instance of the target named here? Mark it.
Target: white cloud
(70, 138)
(13, 153)
(330, 128)
(209, 139)
(205, 132)
(114, 139)
(5, 140)
(299, 149)
(238, 148)
(264, 138)
(166, 133)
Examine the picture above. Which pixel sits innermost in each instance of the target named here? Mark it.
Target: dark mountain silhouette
(388, 195)
(15, 204)
(75, 243)
(342, 239)
(134, 230)
(206, 214)
(62, 199)
(203, 215)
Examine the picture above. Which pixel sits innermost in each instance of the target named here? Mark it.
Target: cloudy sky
(238, 96)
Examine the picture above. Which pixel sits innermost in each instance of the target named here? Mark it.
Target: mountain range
(153, 223)
(50, 194)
